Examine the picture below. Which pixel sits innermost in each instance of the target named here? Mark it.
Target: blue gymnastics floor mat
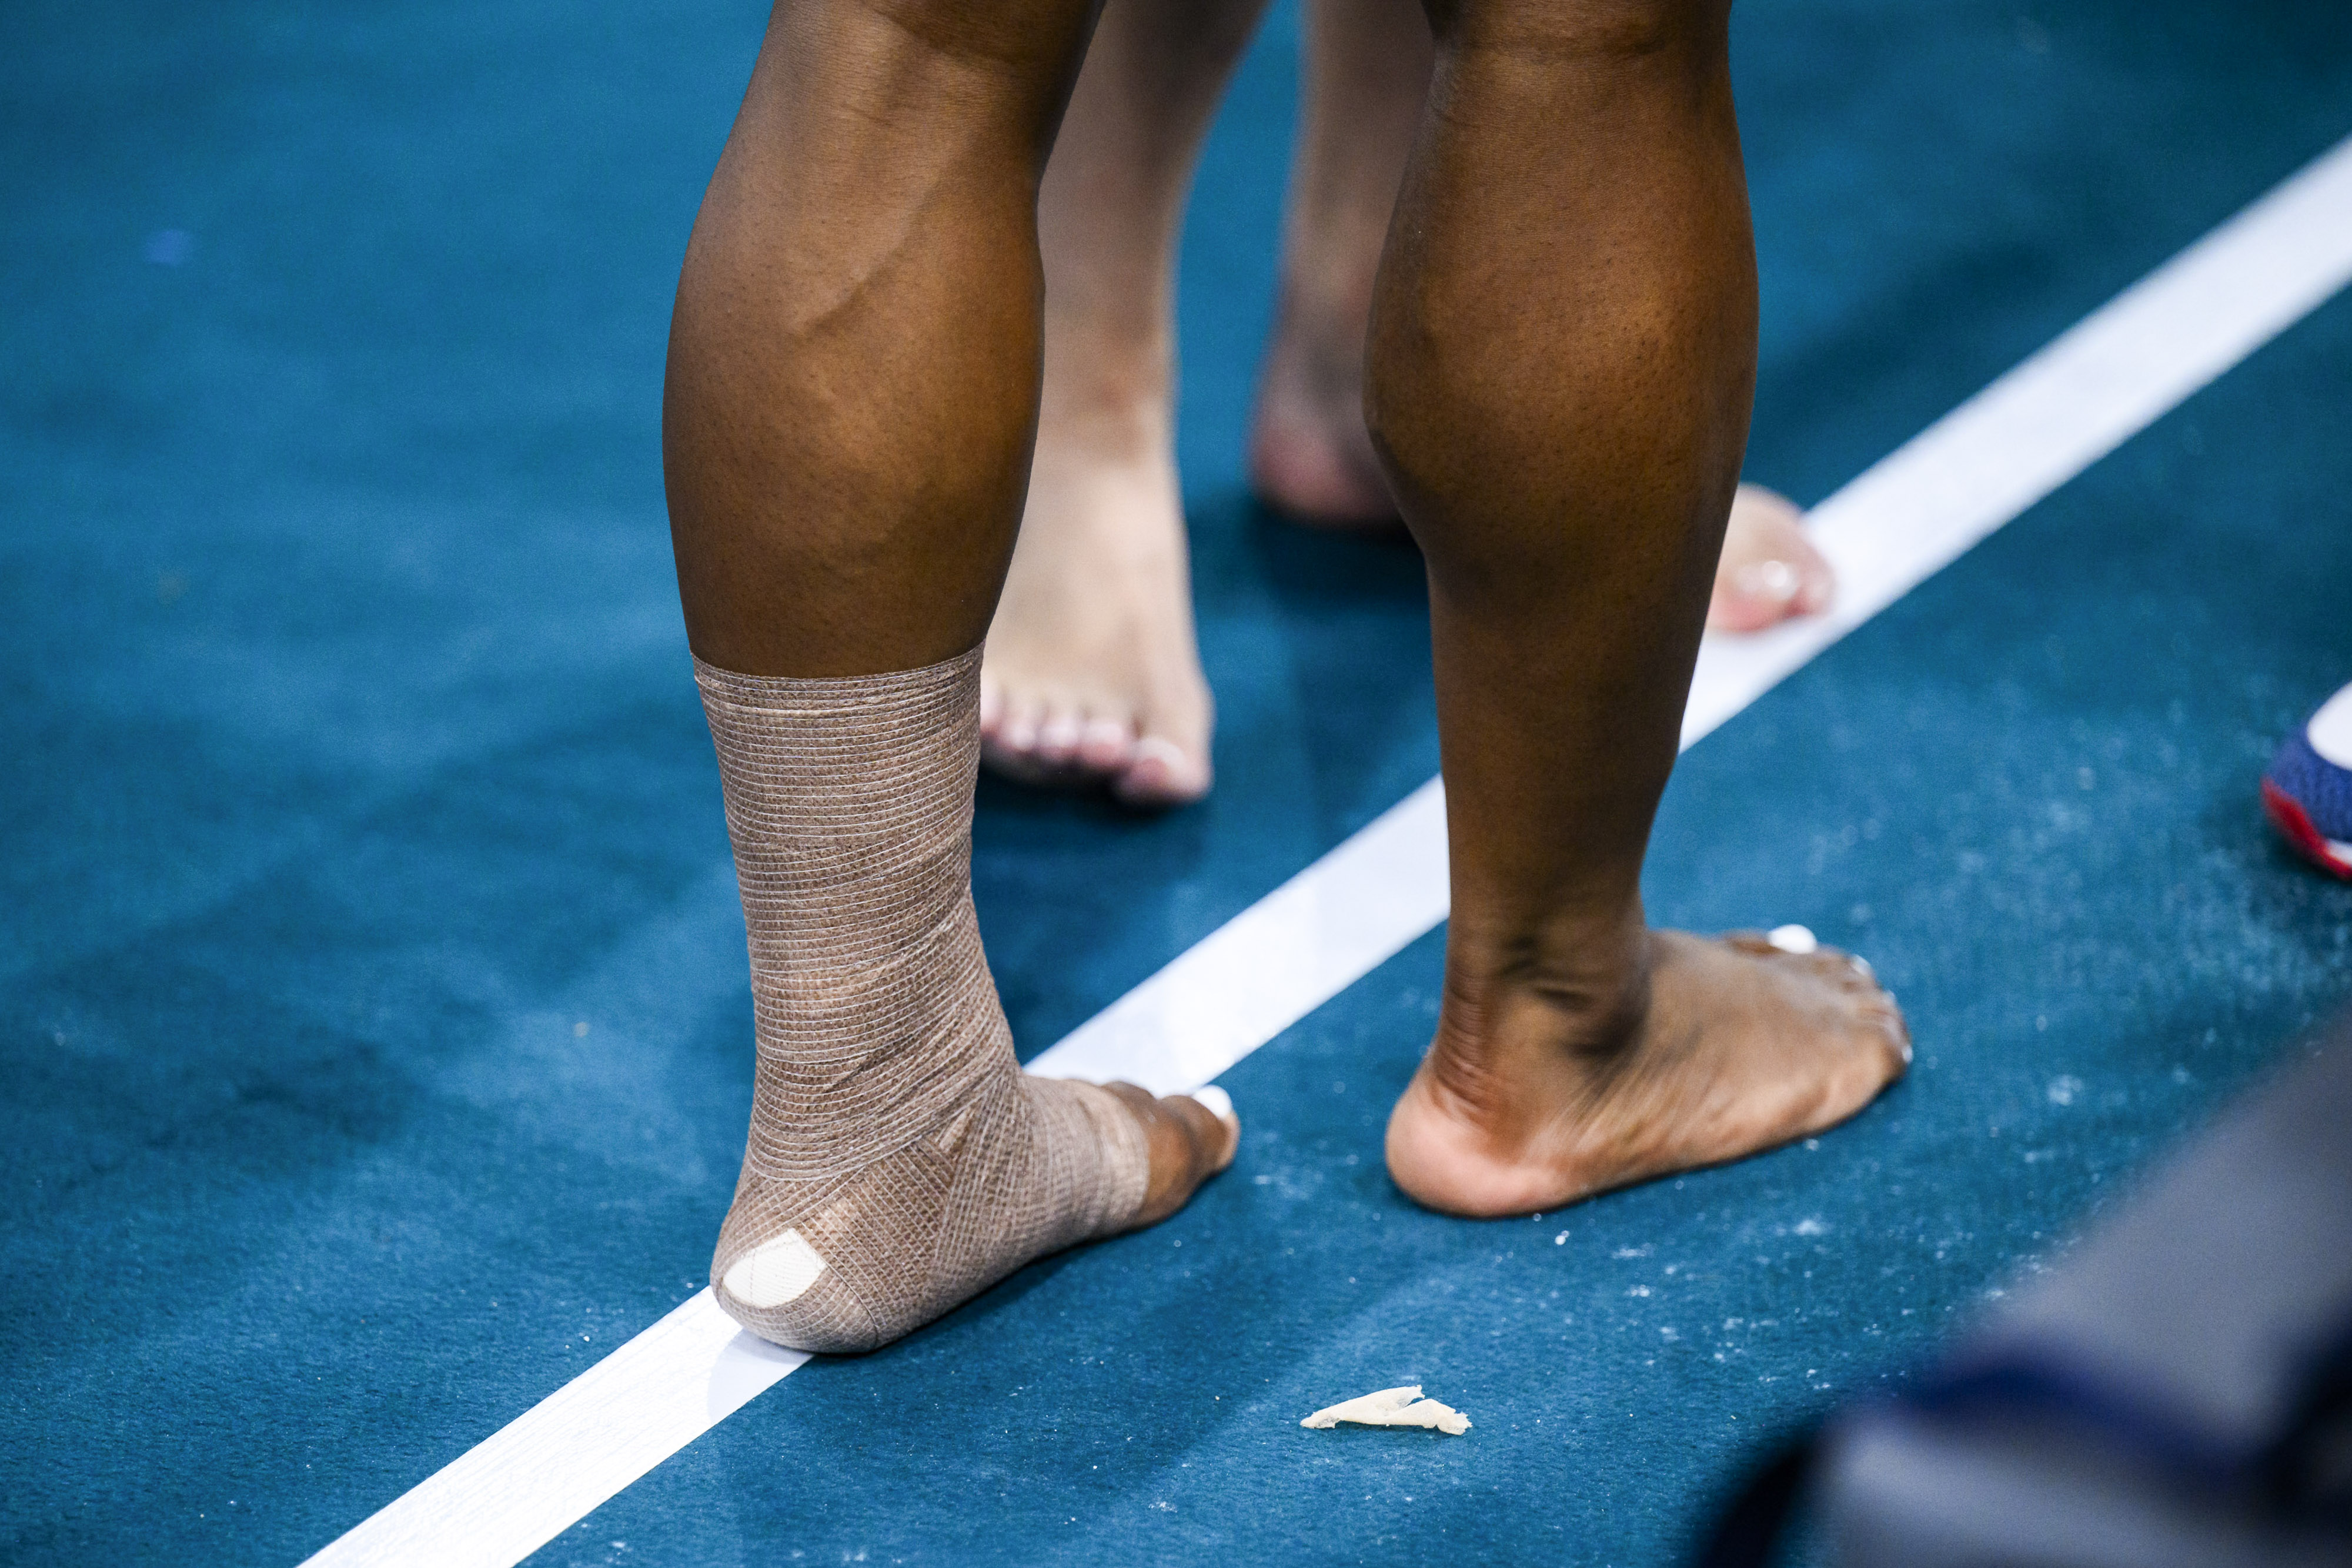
(372, 1003)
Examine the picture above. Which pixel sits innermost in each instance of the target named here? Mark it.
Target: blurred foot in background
(1093, 676)
(2308, 789)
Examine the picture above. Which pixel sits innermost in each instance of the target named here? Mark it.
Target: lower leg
(1564, 442)
(846, 422)
(1092, 672)
(1368, 67)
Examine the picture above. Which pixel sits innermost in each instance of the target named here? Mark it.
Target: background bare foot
(1311, 457)
(1770, 572)
(1741, 1047)
(1091, 674)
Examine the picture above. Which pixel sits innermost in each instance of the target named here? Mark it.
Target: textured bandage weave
(899, 1161)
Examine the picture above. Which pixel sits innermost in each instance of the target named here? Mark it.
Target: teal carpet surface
(374, 1013)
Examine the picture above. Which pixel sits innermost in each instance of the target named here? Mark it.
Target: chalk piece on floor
(1393, 1407)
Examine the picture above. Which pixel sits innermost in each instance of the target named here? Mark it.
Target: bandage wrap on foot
(899, 1160)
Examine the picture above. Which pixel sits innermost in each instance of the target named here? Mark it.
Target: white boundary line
(576, 1450)
(1905, 519)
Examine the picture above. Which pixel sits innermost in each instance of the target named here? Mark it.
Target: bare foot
(1310, 457)
(1770, 572)
(1091, 674)
(1535, 1099)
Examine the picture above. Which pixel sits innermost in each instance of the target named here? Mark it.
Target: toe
(1893, 1031)
(1220, 1104)
(1841, 970)
(1736, 605)
(1190, 1142)
(1769, 570)
(1208, 1117)
(1010, 748)
(1106, 745)
(1161, 772)
(1795, 946)
(1017, 728)
(1817, 580)
(1853, 974)
(1058, 735)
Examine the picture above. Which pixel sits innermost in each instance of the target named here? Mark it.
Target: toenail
(1160, 749)
(1769, 579)
(1862, 965)
(1797, 939)
(1106, 736)
(1220, 1103)
(1158, 768)
(1058, 733)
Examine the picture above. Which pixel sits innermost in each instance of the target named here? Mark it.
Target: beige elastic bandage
(899, 1161)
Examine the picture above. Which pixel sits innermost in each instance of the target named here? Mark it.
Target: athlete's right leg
(1367, 71)
(1562, 354)
(851, 397)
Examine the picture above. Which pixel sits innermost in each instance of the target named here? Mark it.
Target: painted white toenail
(1220, 1103)
(1769, 579)
(775, 1272)
(1059, 732)
(1862, 965)
(1797, 939)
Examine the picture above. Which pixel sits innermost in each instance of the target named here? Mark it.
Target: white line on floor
(555, 1464)
(1907, 517)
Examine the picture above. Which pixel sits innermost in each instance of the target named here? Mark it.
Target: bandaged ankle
(899, 1160)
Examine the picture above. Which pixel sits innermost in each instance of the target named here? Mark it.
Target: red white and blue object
(2308, 789)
